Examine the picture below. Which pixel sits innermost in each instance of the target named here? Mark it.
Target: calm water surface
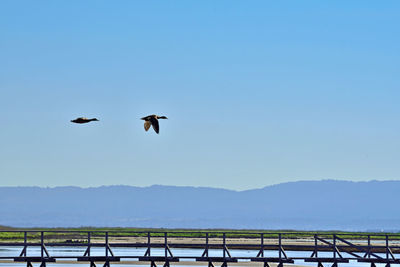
(73, 251)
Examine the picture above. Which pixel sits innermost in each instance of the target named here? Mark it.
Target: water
(95, 251)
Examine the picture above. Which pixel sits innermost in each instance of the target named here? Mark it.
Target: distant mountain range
(304, 205)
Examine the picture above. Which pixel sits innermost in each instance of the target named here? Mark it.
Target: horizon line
(193, 186)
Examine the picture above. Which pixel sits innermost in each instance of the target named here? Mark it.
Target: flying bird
(152, 120)
(83, 120)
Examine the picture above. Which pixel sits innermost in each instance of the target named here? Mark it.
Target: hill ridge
(303, 205)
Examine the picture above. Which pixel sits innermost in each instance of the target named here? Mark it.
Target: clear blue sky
(257, 92)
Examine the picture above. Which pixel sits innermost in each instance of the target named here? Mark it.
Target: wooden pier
(207, 247)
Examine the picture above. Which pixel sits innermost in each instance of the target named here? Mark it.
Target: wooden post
(41, 245)
(205, 252)
(106, 244)
(262, 245)
(369, 246)
(25, 241)
(207, 244)
(88, 251)
(148, 243)
(334, 246)
(223, 242)
(166, 244)
(387, 247)
(316, 246)
(280, 246)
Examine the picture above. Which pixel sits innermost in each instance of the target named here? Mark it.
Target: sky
(256, 92)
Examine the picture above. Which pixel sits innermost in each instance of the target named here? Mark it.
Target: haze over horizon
(256, 93)
(209, 187)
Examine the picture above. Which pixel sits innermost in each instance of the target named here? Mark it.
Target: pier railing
(208, 247)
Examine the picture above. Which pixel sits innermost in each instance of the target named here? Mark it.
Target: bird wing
(154, 123)
(147, 125)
